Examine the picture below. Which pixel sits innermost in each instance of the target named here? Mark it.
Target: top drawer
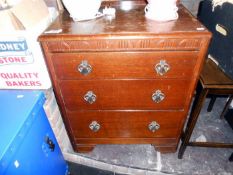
(120, 65)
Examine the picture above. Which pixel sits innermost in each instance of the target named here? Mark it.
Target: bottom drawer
(125, 124)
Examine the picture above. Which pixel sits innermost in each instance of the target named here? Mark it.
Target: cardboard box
(22, 63)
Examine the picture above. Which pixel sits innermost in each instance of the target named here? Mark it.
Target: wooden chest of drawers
(125, 80)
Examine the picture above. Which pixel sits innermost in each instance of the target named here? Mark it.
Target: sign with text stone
(22, 64)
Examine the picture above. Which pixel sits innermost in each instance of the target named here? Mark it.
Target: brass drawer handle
(90, 97)
(84, 67)
(153, 126)
(162, 67)
(158, 96)
(94, 126)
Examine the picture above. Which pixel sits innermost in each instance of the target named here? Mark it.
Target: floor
(143, 159)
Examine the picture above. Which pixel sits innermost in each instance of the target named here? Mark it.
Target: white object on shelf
(83, 10)
(158, 10)
(109, 11)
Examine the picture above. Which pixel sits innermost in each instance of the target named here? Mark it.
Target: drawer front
(111, 124)
(124, 65)
(124, 94)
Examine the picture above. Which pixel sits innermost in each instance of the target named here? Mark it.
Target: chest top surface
(131, 22)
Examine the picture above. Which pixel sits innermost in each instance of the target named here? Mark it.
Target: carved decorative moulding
(129, 44)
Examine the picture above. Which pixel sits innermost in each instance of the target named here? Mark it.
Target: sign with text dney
(22, 64)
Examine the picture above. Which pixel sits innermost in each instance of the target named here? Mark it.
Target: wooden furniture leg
(231, 158)
(196, 109)
(211, 104)
(84, 148)
(165, 149)
(226, 106)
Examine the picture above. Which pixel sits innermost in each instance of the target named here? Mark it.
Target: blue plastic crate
(27, 145)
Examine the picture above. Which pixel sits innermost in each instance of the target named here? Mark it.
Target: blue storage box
(28, 145)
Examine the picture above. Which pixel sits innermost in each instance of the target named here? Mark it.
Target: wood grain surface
(123, 52)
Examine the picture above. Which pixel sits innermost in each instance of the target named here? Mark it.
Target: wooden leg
(211, 104)
(84, 148)
(196, 109)
(226, 107)
(231, 158)
(165, 149)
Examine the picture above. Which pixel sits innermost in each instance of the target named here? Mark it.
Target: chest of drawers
(125, 80)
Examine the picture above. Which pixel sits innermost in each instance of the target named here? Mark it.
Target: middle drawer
(124, 94)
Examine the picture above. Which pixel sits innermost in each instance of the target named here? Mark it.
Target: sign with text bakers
(22, 64)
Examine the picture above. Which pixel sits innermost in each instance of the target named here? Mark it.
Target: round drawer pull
(90, 97)
(162, 67)
(158, 96)
(94, 126)
(153, 126)
(84, 67)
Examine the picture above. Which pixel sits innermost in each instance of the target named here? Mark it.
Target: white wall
(192, 5)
